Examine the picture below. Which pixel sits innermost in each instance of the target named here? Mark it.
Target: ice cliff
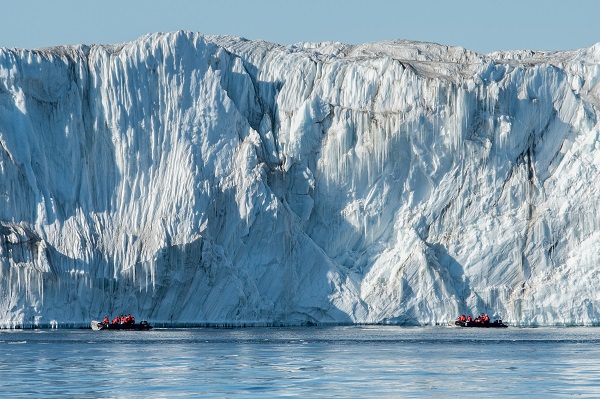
(190, 179)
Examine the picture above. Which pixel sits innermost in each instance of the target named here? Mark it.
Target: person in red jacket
(105, 321)
(115, 320)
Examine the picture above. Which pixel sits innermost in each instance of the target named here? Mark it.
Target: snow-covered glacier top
(190, 179)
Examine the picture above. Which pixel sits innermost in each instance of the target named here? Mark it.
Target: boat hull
(98, 326)
(495, 324)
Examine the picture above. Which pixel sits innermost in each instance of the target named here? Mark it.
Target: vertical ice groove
(212, 179)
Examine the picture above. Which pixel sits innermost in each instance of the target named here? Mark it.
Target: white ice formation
(190, 179)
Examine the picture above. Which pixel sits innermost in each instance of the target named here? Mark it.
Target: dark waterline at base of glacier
(343, 361)
(232, 325)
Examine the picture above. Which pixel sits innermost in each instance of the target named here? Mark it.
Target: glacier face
(199, 179)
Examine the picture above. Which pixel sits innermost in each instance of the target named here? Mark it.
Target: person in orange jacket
(115, 320)
(105, 320)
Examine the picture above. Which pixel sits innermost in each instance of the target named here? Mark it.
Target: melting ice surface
(211, 179)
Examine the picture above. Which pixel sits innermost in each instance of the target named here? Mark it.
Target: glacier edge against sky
(210, 179)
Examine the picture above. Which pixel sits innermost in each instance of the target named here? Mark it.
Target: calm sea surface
(357, 361)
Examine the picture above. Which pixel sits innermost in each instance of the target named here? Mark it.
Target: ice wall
(196, 179)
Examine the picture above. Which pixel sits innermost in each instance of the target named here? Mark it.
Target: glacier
(213, 180)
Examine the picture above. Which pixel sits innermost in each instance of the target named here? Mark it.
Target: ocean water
(308, 362)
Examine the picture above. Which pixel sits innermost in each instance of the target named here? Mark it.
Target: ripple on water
(303, 362)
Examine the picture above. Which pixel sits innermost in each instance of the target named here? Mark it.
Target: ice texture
(191, 179)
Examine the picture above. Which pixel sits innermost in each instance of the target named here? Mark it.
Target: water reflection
(305, 362)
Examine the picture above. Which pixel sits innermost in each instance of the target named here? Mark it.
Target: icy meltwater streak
(302, 362)
(200, 179)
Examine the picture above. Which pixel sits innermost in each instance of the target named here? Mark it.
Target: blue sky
(479, 25)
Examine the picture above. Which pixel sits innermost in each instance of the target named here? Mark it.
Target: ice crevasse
(191, 179)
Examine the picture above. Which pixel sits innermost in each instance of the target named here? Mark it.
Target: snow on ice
(190, 179)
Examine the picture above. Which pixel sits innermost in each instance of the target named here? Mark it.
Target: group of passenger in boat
(129, 319)
(479, 319)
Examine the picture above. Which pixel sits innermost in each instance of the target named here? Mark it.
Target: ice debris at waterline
(211, 179)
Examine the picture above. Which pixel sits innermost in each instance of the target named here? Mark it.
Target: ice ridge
(191, 179)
